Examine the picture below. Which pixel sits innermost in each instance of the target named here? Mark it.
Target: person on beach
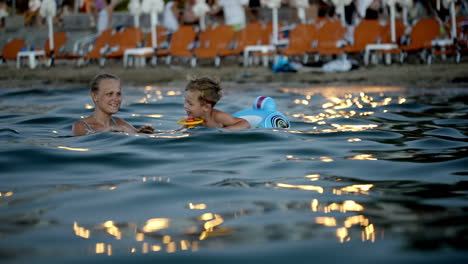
(201, 95)
(3, 13)
(104, 14)
(188, 15)
(234, 12)
(106, 94)
(172, 16)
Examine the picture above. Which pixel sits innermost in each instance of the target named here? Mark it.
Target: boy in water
(201, 95)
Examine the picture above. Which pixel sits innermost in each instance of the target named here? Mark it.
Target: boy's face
(193, 106)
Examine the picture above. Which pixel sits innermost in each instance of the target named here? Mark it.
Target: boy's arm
(230, 122)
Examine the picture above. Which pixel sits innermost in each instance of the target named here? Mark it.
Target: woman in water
(107, 97)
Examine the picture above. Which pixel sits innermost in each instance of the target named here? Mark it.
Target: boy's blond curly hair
(209, 90)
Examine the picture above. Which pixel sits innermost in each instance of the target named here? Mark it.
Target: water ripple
(362, 170)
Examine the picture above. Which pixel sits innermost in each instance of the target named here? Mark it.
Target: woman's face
(108, 98)
(193, 106)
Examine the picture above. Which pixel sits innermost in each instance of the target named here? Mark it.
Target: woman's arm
(126, 127)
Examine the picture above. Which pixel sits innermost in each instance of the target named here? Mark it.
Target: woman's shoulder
(80, 127)
(82, 122)
(79, 123)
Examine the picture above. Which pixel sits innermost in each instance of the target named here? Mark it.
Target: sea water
(364, 174)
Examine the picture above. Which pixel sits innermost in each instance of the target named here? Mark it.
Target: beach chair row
(110, 43)
(325, 38)
(187, 42)
(426, 38)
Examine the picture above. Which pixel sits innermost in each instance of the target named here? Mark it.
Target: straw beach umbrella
(301, 5)
(134, 6)
(200, 9)
(153, 7)
(274, 5)
(340, 4)
(49, 10)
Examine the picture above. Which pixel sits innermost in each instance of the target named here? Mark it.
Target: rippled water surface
(365, 174)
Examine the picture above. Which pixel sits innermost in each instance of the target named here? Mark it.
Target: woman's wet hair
(209, 91)
(94, 85)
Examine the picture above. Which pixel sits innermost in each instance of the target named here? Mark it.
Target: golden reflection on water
(356, 220)
(6, 194)
(342, 234)
(156, 248)
(149, 234)
(302, 187)
(152, 116)
(346, 219)
(151, 239)
(346, 206)
(313, 177)
(212, 221)
(206, 217)
(73, 149)
(350, 128)
(362, 157)
(102, 248)
(369, 233)
(154, 94)
(342, 228)
(357, 188)
(326, 159)
(155, 224)
(139, 237)
(81, 231)
(340, 100)
(341, 91)
(112, 230)
(197, 206)
(171, 247)
(326, 221)
(168, 136)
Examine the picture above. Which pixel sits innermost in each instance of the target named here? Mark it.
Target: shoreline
(407, 75)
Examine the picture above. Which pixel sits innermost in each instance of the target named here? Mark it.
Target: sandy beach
(408, 75)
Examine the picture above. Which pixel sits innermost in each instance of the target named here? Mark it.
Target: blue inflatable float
(264, 114)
